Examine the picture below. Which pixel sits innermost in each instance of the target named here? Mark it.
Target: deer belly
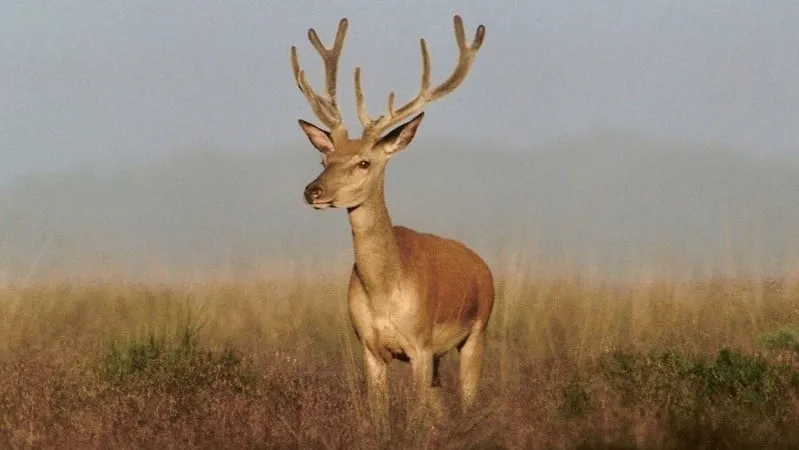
(447, 335)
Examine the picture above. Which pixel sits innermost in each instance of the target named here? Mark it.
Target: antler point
(479, 36)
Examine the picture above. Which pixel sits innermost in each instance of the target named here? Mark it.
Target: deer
(412, 296)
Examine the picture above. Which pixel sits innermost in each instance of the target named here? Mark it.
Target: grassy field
(572, 362)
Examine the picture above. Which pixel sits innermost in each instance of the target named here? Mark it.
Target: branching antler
(324, 107)
(467, 53)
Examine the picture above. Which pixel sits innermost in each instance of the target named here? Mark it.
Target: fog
(613, 135)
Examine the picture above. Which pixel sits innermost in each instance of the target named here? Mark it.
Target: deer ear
(319, 138)
(400, 137)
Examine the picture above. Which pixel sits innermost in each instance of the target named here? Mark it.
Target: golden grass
(277, 365)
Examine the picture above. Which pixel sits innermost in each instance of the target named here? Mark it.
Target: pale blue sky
(108, 82)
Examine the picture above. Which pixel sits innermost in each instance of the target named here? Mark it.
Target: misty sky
(102, 83)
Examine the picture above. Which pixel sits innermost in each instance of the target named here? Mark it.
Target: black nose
(312, 193)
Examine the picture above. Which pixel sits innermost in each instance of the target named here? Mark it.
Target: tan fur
(416, 296)
(412, 296)
(445, 292)
(455, 284)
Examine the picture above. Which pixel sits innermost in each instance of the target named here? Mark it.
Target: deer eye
(363, 164)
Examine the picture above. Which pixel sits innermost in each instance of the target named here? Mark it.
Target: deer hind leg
(471, 360)
(426, 382)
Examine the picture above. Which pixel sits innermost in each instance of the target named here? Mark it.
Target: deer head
(354, 168)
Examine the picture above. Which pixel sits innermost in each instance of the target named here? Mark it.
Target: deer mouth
(322, 205)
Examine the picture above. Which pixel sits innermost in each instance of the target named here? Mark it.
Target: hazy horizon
(632, 207)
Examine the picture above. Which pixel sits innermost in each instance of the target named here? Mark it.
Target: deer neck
(377, 256)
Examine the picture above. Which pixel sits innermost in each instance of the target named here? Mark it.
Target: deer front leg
(377, 386)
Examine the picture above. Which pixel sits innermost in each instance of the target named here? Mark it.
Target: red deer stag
(412, 296)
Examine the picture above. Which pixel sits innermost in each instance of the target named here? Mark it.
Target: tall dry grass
(572, 362)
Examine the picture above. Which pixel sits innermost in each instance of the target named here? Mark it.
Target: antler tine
(360, 106)
(325, 108)
(466, 56)
(330, 56)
